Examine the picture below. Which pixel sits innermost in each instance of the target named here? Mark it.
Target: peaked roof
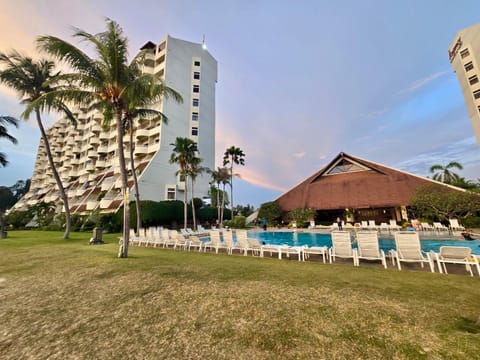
(352, 182)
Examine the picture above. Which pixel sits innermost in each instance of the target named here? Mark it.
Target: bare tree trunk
(123, 243)
(135, 180)
(60, 187)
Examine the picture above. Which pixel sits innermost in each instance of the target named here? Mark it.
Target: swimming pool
(315, 239)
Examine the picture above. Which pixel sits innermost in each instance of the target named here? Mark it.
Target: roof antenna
(204, 47)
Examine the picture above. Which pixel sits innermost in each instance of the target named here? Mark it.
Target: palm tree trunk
(135, 180)
(193, 209)
(61, 189)
(223, 206)
(231, 190)
(185, 205)
(218, 202)
(123, 248)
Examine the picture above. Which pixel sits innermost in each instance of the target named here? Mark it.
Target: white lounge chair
(181, 241)
(364, 225)
(342, 247)
(372, 225)
(426, 226)
(315, 250)
(455, 226)
(247, 244)
(394, 226)
(194, 242)
(439, 227)
(408, 249)
(455, 255)
(215, 242)
(368, 247)
(228, 242)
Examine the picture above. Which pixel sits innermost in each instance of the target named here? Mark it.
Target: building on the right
(464, 55)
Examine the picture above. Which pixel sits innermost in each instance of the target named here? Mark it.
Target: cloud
(299, 155)
(418, 84)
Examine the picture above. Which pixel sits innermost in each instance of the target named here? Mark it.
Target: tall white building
(86, 155)
(464, 55)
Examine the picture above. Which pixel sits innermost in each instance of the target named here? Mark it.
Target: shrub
(270, 211)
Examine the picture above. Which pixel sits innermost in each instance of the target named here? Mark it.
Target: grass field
(65, 299)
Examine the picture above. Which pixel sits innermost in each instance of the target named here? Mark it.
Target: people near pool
(469, 235)
(264, 224)
(339, 223)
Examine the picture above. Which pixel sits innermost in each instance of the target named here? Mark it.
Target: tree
(6, 120)
(20, 188)
(194, 171)
(301, 216)
(444, 173)
(184, 150)
(109, 81)
(434, 201)
(270, 211)
(233, 155)
(33, 80)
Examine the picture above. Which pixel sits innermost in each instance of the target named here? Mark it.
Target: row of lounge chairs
(393, 226)
(407, 250)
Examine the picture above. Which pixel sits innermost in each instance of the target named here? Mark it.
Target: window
(170, 193)
(476, 94)
(196, 75)
(160, 60)
(194, 131)
(196, 63)
(161, 46)
(195, 102)
(464, 53)
(195, 116)
(196, 88)
(468, 66)
(473, 79)
(478, 107)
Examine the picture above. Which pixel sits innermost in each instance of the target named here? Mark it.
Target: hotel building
(464, 55)
(86, 154)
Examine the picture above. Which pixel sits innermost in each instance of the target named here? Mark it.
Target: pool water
(314, 239)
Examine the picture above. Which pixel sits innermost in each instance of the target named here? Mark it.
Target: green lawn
(65, 299)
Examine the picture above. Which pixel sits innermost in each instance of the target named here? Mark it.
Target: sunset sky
(298, 81)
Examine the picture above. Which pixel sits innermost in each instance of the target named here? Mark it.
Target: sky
(298, 81)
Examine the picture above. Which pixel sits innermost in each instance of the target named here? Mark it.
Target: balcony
(141, 150)
(105, 203)
(102, 149)
(89, 167)
(100, 164)
(94, 140)
(142, 133)
(96, 128)
(91, 205)
(92, 154)
(103, 135)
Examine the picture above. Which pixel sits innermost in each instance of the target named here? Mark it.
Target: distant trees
(434, 201)
(4, 121)
(445, 173)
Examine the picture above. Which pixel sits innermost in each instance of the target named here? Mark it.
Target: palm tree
(233, 155)
(194, 171)
(6, 120)
(184, 150)
(32, 80)
(444, 173)
(109, 80)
